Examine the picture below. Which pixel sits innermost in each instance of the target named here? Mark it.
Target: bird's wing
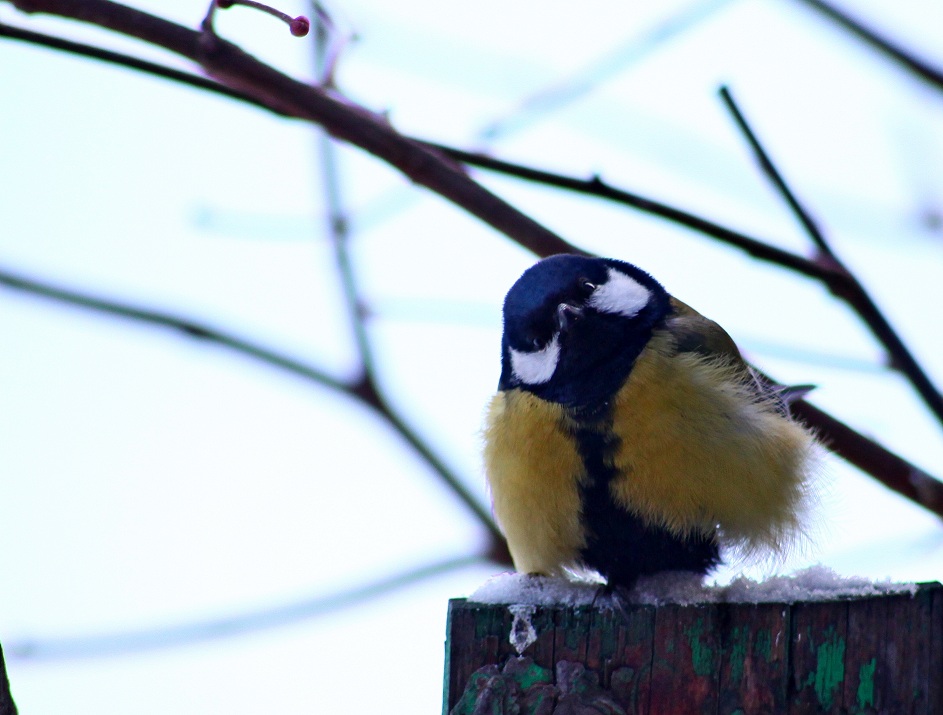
(693, 333)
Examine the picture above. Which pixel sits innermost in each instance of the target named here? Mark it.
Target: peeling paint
(763, 646)
(866, 684)
(830, 667)
(702, 656)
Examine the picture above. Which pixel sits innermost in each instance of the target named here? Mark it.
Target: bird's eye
(535, 342)
(587, 285)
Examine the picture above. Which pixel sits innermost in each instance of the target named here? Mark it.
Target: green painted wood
(865, 689)
(818, 643)
(686, 660)
(880, 654)
(754, 665)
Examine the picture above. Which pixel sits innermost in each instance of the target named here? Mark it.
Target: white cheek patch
(620, 294)
(536, 368)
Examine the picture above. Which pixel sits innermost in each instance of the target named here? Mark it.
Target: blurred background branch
(362, 389)
(102, 645)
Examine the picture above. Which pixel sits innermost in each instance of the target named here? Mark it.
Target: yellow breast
(699, 450)
(534, 472)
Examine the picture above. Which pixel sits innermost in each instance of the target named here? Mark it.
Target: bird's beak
(567, 315)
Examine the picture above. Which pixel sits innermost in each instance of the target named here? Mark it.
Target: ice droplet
(522, 630)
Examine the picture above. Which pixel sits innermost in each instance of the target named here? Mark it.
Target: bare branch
(124, 60)
(592, 187)
(187, 327)
(849, 289)
(596, 186)
(891, 470)
(338, 226)
(772, 173)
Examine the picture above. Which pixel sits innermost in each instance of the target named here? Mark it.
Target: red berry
(299, 26)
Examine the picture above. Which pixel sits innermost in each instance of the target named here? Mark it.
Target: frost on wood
(535, 590)
(817, 583)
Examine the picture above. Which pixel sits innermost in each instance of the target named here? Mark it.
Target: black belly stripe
(620, 545)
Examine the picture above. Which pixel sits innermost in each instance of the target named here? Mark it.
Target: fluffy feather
(644, 442)
(535, 473)
(701, 449)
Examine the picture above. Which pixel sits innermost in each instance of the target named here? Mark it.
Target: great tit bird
(628, 436)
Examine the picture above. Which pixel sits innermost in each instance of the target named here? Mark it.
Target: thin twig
(850, 289)
(299, 26)
(772, 173)
(209, 18)
(338, 224)
(367, 389)
(187, 633)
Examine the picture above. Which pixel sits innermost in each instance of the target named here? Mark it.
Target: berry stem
(299, 26)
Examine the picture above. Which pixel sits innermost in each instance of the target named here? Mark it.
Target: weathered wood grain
(858, 656)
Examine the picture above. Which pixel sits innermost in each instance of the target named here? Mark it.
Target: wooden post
(6, 700)
(866, 655)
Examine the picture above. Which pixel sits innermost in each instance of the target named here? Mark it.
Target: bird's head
(573, 327)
